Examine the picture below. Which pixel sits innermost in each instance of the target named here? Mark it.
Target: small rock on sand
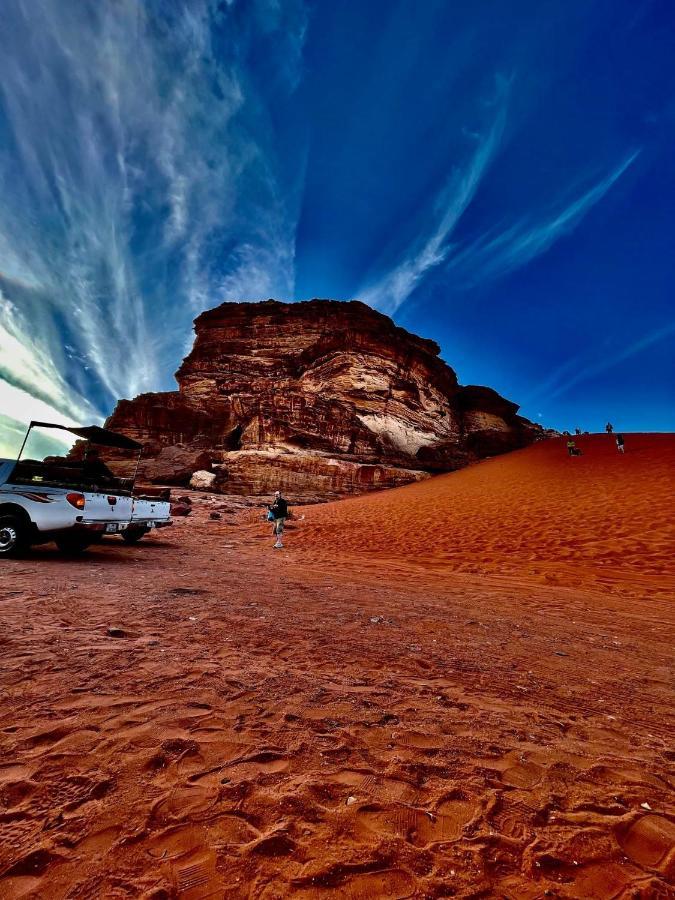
(202, 479)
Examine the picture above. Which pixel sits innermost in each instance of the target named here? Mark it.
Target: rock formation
(320, 398)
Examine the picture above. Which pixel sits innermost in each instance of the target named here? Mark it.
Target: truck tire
(73, 544)
(133, 535)
(14, 536)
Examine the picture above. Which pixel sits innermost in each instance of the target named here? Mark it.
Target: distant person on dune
(609, 428)
(279, 511)
(577, 430)
(572, 449)
(619, 443)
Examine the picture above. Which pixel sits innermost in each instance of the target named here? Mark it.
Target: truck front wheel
(133, 535)
(14, 537)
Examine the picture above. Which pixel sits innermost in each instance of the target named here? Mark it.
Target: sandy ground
(461, 688)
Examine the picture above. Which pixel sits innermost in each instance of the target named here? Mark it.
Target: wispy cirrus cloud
(30, 381)
(431, 249)
(579, 371)
(139, 185)
(31, 385)
(494, 255)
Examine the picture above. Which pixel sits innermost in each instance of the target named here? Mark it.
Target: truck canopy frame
(95, 434)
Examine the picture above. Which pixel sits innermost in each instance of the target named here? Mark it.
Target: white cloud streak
(29, 377)
(606, 361)
(492, 257)
(429, 251)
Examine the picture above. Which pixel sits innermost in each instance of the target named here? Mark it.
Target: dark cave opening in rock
(233, 440)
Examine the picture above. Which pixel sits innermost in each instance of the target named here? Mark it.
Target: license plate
(111, 527)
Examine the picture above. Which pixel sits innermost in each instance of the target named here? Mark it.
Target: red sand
(459, 688)
(524, 512)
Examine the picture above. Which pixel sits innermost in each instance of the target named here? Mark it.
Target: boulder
(202, 480)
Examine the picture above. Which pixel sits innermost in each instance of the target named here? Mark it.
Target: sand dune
(523, 511)
(461, 688)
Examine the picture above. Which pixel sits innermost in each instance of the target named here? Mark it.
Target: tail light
(76, 500)
(112, 500)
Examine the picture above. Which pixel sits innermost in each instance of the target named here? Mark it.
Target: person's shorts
(279, 525)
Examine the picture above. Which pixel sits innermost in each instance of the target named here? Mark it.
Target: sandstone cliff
(320, 398)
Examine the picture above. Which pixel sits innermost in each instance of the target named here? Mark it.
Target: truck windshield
(60, 459)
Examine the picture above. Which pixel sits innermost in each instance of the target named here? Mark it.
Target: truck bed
(151, 492)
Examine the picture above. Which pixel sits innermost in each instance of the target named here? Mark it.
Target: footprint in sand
(230, 829)
(54, 791)
(522, 775)
(608, 775)
(512, 817)
(387, 884)
(183, 841)
(14, 772)
(176, 842)
(649, 840)
(266, 761)
(17, 888)
(24, 876)
(193, 801)
(276, 843)
(99, 842)
(604, 881)
(14, 793)
(196, 878)
(378, 786)
(392, 884)
(42, 740)
(417, 826)
(417, 741)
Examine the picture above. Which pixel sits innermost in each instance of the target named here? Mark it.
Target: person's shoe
(278, 546)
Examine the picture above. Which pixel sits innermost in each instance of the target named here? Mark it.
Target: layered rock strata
(320, 399)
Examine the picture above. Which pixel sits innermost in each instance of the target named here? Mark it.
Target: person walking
(609, 428)
(572, 449)
(279, 511)
(619, 443)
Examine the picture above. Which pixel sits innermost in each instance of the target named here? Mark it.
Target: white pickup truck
(74, 500)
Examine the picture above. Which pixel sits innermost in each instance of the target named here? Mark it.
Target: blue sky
(500, 177)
